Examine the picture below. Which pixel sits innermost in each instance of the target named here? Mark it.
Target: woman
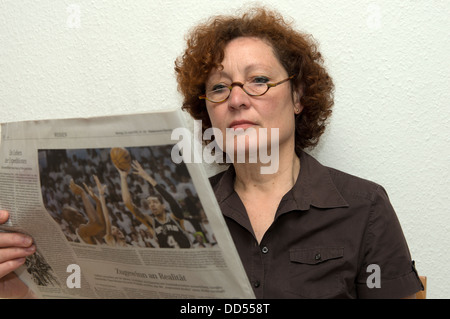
(305, 231)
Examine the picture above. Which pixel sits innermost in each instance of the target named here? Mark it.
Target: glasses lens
(218, 94)
(255, 88)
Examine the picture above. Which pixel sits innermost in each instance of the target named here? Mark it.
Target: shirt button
(256, 284)
(265, 250)
(318, 256)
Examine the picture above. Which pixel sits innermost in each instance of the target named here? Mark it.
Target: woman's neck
(249, 177)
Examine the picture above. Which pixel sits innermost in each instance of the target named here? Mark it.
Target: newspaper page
(112, 214)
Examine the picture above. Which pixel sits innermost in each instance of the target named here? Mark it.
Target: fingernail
(31, 249)
(27, 240)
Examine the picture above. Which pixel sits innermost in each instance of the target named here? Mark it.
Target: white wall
(389, 60)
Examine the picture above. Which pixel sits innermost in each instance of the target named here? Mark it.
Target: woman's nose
(238, 98)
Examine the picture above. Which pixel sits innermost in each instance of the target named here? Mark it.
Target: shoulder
(326, 181)
(354, 186)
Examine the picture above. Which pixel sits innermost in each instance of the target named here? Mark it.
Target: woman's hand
(14, 248)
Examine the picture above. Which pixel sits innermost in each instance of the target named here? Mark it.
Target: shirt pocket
(316, 272)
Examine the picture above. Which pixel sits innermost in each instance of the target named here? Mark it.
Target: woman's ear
(298, 107)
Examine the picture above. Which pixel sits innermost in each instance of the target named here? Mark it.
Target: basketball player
(169, 227)
(113, 236)
(93, 231)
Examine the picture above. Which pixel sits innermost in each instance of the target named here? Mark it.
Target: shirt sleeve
(387, 269)
(176, 209)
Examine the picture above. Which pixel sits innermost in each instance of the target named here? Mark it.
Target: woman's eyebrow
(262, 68)
(258, 66)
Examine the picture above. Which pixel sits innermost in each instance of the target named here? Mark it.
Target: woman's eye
(218, 87)
(260, 79)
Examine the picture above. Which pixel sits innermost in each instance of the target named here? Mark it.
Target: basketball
(121, 158)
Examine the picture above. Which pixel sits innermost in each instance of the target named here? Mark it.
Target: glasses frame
(241, 85)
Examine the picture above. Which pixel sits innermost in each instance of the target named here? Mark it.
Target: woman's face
(250, 59)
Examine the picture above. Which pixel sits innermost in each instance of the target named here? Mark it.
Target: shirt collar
(225, 185)
(314, 187)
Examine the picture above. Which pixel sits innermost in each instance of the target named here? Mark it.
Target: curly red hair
(297, 52)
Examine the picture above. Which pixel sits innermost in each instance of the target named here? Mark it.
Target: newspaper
(94, 226)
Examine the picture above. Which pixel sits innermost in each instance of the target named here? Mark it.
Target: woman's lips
(243, 124)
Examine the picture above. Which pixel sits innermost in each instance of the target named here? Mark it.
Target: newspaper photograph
(112, 214)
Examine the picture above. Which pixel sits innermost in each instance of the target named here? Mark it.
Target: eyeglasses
(257, 87)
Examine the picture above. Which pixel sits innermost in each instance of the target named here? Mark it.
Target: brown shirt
(326, 232)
